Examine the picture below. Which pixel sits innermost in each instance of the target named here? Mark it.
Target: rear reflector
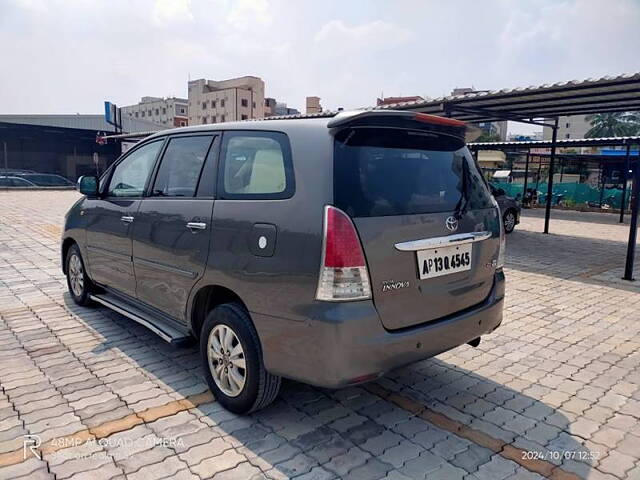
(434, 119)
(343, 273)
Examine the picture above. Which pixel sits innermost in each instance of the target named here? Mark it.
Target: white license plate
(436, 262)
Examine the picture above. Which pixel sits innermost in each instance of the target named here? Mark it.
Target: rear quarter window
(255, 165)
(384, 171)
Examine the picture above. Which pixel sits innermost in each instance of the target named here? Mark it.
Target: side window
(180, 166)
(130, 175)
(256, 165)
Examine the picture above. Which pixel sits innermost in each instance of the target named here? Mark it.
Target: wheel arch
(66, 245)
(206, 299)
(510, 209)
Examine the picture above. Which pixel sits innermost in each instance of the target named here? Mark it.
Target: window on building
(204, 119)
(243, 117)
(244, 102)
(222, 103)
(204, 105)
(164, 110)
(149, 113)
(136, 114)
(223, 118)
(253, 104)
(256, 164)
(568, 125)
(181, 109)
(157, 111)
(143, 114)
(213, 104)
(568, 135)
(180, 167)
(213, 119)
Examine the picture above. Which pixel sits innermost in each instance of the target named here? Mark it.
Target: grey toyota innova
(328, 250)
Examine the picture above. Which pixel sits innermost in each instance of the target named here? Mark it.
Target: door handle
(196, 226)
(126, 219)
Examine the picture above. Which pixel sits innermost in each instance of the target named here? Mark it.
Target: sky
(70, 56)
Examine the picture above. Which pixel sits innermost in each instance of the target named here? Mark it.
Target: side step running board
(158, 326)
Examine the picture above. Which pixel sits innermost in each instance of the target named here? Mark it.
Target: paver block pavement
(560, 375)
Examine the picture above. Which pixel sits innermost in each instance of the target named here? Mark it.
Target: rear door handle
(437, 242)
(126, 219)
(196, 226)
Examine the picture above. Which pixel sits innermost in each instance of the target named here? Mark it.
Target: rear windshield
(385, 171)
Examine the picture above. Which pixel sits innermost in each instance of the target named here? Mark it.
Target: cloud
(171, 11)
(375, 35)
(346, 52)
(249, 13)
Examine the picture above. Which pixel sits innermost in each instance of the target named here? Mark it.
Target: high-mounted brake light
(436, 120)
(343, 272)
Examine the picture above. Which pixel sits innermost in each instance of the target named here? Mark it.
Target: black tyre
(509, 221)
(232, 360)
(77, 280)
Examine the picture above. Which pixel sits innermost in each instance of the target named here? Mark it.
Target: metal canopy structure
(572, 142)
(607, 94)
(543, 105)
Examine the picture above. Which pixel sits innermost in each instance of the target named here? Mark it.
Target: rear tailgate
(430, 241)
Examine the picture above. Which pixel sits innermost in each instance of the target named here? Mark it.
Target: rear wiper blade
(461, 206)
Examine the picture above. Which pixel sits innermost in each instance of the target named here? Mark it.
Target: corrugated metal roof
(570, 142)
(82, 122)
(325, 114)
(606, 94)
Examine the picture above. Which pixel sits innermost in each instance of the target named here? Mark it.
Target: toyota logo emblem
(451, 223)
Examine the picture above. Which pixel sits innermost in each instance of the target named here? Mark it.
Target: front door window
(130, 175)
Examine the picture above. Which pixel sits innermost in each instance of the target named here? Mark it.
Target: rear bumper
(342, 343)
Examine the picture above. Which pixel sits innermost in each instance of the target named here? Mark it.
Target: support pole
(625, 172)
(601, 183)
(633, 226)
(552, 159)
(526, 176)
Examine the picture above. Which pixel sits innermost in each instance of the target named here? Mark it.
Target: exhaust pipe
(475, 342)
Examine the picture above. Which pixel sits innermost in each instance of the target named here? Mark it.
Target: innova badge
(451, 223)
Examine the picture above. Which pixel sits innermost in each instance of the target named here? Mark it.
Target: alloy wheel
(226, 360)
(76, 275)
(509, 221)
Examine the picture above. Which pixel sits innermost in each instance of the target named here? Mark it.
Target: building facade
(273, 108)
(313, 105)
(213, 101)
(168, 112)
(61, 144)
(575, 126)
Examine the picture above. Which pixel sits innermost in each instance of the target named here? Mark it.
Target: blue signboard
(110, 110)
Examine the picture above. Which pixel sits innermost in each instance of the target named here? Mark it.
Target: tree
(615, 124)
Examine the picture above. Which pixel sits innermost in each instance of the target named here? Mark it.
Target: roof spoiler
(459, 127)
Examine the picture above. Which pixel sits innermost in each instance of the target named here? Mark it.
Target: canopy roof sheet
(576, 97)
(571, 142)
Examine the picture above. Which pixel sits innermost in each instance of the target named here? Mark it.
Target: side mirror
(88, 185)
